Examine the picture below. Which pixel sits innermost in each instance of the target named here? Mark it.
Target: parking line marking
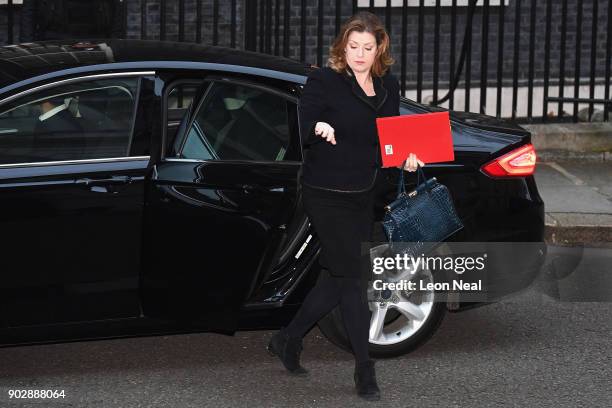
(576, 180)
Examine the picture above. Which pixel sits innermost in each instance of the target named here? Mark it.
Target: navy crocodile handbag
(421, 218)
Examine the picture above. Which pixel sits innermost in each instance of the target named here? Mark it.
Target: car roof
(22, 61)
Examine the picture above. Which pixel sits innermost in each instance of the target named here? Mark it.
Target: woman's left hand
(411, 163)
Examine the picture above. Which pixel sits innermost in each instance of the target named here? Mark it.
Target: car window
(238, 122)
(196, 145)
(77, 121)
(181, 96)
(179, 99)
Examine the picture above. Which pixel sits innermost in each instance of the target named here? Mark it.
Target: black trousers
(342, 221)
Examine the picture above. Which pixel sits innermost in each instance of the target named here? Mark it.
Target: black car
(151, 188)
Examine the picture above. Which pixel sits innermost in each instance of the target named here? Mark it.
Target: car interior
(90, 122)
(237, 122)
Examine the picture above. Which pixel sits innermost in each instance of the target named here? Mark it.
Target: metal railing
(10, 7)
(197, 9)
(434, 41)
(266, 17)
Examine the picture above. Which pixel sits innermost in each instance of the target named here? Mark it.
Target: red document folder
(428, 135)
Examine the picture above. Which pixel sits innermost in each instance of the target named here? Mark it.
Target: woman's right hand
(411, 163)
(324, 130)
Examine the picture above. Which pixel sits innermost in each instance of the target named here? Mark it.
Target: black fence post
(250, 25)
(420, 51)
(143, 19)
(262, 25)
(404, 47)
(517, 48)
(468, 67)
(484, 57)
(277, 27)
(436, 62)
(162, 19)
(500, 59)
(547, 60)
(198, 21)
(233, 24)
(577, 59)
(181, 23)
(10, 22)
(608, 57)
(593, 55)
(303, 30)
(562, 56)
(453, 42)
(286, 27)
(320, 44)
(532, 24)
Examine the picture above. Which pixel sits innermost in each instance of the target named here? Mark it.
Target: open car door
(219, 202)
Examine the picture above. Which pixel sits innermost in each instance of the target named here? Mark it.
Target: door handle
(8, 131)
(94, 182)
(250, 188)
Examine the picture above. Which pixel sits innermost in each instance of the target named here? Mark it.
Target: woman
(337, 114)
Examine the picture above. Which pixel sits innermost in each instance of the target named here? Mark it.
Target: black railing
(486, 33)
(10, 8)
(524, 58)
(37, 20)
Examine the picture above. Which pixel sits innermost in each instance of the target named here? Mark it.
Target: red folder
(428, 135)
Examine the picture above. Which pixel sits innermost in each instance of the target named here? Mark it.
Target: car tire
(333, 329)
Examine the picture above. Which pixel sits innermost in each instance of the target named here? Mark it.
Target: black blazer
(336, 98)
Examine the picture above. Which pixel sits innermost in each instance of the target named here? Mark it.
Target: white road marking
(574, 179)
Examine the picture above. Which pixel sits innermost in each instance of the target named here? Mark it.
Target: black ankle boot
(288, 349)
(365, 381)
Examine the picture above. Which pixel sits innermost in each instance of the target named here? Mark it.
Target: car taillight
(517, 163)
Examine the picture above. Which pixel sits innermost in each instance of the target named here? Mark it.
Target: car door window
(77, 121)
(179, 98)
(238, 122)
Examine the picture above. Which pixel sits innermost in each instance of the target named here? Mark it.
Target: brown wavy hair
(368, 22)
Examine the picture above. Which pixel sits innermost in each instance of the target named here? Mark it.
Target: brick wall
(152, 19)
(492, 39)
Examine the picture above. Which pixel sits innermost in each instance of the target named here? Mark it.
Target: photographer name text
(405, 284)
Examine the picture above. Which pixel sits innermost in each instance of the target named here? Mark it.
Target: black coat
(338, 99)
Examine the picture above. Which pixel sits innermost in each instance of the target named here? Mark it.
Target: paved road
(531, 350)
(528, 351)
(575, 186)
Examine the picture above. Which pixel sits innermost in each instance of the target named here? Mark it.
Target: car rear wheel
(401, 320)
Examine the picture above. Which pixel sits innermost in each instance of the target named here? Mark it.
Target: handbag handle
(401, 188)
